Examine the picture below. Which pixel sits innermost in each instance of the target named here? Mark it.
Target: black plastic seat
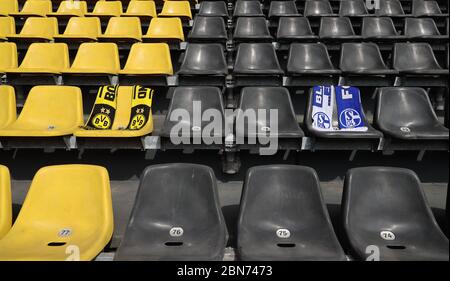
(318, 8)
(386, 207)
(251, 29)
(422, 28)
(176, 216)
(353, 8)
(291, 29)
(213, 9)
(204, 64)
(282, 9)
(416, 58)
(333, 28)
(363, 58)
(390, 8)
(247, 9)
(254, 98)
(406, 113)
(208, 29)
(426, 8)
(274, 226)
(379, 28)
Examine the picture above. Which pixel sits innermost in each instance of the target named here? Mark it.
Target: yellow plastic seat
(180, 9)
(67, 215)
(8, 56)
(141, 9)
(106, 9)
(80, 29)
(164, 30)
(121, 120)
(122, 29)
(43, 58)
(70, 8)
(7, 109)
(7, 27)
(5, 200)
(96, 58)
(8, 6)
(49, 111)
(33, 8)
(36, 30)
(158, 56)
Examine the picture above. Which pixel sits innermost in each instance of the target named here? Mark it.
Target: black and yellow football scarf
(141, 105)
(104, 110)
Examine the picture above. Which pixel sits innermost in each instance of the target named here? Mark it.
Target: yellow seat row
(55, 111)
(119, 29)
(67, 215)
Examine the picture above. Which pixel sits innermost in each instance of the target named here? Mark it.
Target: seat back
(176, 9)
(212, 28)
(108, 8)
(317, 8)
(245, 8)
(414, 56)
(7, 110)
(353, 8)
(213, 8)
(257, 58)
(124, 26)
(207, 59)
(282, 8)
(72, 7)
(5, 197)
(45, 27)
(9, 6)
(293, 27)
(50, 56)
(7, 26)
(361, 57)
(8, 56)
(142, 8)
(251, 27)
(83, 26)
(335, 27)
(417, 27)
(41, 7)
(166, 28)
(99, 56)
(378, 27)
(309, 56)
(425, 8)
(390, 8)
(157, 53)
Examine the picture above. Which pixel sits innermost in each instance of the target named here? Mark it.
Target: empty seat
(294, 29)
(8, 56)
(96, 58)
(424, 28)
(80, 29)
(7, 112)
(406, 113)
(188, 128)
(352, 8)
(247, 9)
(336, 28)
(208, 29)
(122, 29)
(49, 111)
(36, 30)
(213, 9)
(380, 28)
(309, 58)
(79, 221)
(8, 7)
(318, 8)
(390, 8)
(164, 30)
(7, 27)
(106, 9)
(267, 98)
(273, 226)
(416, 58)
(142, 9)
(425, 8)
(176, 216)
(181, 9)
(282, 9)
(34, 9)
(386, 207)
(5, 196)
(257, 59)
(251, 29)
(363, 59)
(70, 8)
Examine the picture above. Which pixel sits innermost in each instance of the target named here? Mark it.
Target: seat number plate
(176, 231)
(387, 235)
(283, 233)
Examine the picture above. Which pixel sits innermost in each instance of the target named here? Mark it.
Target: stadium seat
(145, 10)
(251, 29)
(121, 120)
(247, 9)
(49, 111)
(181, 9)
(8, 7)
(34, 9)
(68, 210)
(379, 28)
(336, 28)
(7, 27)
(406, 113)
(5, 197)
(273, 226)
(204, 64)
(208, 98)
(292, 29)
(386, 207)
(267, 98)
(426, 8)
(106, 9)
(282, 9)
(318, 8)
(7, 110)
(353, 8)
(8, 56)
(390, 8)
(195, 230)
(122, 30)
(79, 30)
(422, 28)
(213, 9)
(167, 30)
(208, 29)
(36, 30)
(70, 8)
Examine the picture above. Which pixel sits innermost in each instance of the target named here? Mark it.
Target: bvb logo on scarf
(104, 110)
(141, 105)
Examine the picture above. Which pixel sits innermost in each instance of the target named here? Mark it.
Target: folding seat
(94, 64)
(273, 226)
(337, 28)
(362, 65)
(49, 111)
(310, 64)
(7, 112)
(293, 29)
(106, 9)
(68, 209)
(168, 30)
(145, 10)
(8, 7)
(213, 9)
(180, 9)
(257, 64)
(195, 228)
(318, 8)
(7, 27)
(386, 207)
(8, 56)
(422, 29)
(122, 30)
(34, 9)
(208, 29)
(353, 8)
(79, 30)
(36, 30)
(251, 29)
(5, 197)
(282, 9)
(157, 69)
(203, 64)
(379, 29)
(70, 8)
(43, 64)
(390, 8)
(247, 9)
(426, 8)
